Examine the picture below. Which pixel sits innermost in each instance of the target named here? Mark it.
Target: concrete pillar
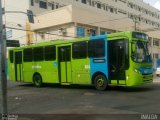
(98, 31)
(75, 29)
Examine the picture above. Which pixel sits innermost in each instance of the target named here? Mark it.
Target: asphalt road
(55, 99)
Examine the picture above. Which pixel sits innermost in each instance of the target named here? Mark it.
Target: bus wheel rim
(37, 81)
(100, 82)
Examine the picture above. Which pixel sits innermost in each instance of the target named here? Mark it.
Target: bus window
(96, 48)
(11, 56)
(27, 55)
(50, 53)
(38, 54)
(79, 50)
(18, 57)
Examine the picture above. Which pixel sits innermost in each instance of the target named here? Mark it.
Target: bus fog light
(127, 77)
(137, 71)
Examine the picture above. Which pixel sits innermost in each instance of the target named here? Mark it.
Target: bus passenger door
(118, 57)
(18, 66)
(64, 58)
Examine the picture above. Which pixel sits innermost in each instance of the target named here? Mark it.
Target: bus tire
(100, 82)
(37, 80)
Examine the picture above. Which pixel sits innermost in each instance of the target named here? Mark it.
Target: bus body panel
(81, 71)
(99, 65)
(28, 71)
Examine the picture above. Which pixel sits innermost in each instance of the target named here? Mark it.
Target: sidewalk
(156, 79)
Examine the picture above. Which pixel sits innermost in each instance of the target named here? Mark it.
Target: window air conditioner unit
(62, 31)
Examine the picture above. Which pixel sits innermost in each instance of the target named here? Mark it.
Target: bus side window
(49, 53)
(79, 50)
(11, 56)
(28, 55)
(38, 54)
(96, 48)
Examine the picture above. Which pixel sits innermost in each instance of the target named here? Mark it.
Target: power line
(39, 32)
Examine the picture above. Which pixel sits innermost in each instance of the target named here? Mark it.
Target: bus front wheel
(100, 82)
(37, 80)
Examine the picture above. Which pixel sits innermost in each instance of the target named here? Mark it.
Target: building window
(42, 35)
(149, 41)
(106, 7)
(124, 1)
(52, 6)
(99, 5)
(90, 2)
(57, 6)
(80, 31)
(103, 6)
(155, 56)
(111, 9)
(156, 42)
(84, 1)
(122, 11)
(43, 4)
(93, 3)
(32, 2)
(91, 32)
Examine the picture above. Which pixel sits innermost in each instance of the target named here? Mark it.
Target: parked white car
(158, 71)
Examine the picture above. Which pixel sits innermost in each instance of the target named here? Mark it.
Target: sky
(154, 3)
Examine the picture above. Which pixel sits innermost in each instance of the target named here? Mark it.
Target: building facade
(65, 19)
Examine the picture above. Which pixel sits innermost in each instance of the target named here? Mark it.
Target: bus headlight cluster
(127, 77)
(137, 71)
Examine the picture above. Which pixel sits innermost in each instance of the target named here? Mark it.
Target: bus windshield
(140, 52)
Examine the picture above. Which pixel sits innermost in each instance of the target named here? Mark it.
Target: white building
(17, 25)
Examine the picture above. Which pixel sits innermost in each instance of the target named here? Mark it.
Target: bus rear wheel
(100, 82)
(37, 80)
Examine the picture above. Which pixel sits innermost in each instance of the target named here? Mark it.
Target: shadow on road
(132, 89)
(145, 88)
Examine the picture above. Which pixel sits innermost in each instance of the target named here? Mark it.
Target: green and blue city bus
(120, 59)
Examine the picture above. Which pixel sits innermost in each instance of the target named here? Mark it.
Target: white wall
(16, 20)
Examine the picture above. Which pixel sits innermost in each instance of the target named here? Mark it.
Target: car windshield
(140, 52)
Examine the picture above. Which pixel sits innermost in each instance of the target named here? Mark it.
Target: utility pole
(135, 25)
(3, 72)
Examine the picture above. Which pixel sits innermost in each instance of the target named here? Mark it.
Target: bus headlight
(126, 77)
(137, 71)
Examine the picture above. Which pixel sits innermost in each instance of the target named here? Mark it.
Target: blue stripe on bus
(146, 70)
(99, 64)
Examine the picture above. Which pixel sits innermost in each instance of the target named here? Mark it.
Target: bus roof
(121, 34)
(52, 42)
